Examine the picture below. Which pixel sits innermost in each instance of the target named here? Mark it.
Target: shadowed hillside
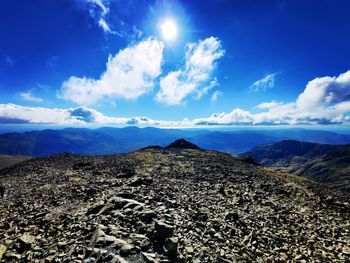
(8, 160)
(328, 164)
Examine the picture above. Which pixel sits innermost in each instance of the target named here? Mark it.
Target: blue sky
(228, 63)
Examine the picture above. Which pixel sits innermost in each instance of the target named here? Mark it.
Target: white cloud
(237, 116)
(331, 107)
(20, 114)
(216, 95)
(102, 23)
(265, 83)
(201, 92)
(201, 59)
(40, 115)
(325, 100)
(325, 91)
(28, 96)
(268, 105)
(128, 75)
(12, 113)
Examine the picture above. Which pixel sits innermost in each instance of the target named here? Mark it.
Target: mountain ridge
(328, 164)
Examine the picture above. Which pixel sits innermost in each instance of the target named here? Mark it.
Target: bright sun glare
(168, 29)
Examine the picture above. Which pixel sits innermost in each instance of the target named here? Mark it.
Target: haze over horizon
(175, 63)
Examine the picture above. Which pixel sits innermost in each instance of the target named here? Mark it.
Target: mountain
(167, 204)
(121, 140)
(328, 164)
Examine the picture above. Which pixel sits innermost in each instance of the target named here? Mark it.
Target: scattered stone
(346, 250)
(189, 249)
(138, 181)
(149, 257)
(2, 191)
(147, 216)
(127, 250)
(97, 207)
(162, 230)
(232, 216)
(170, 246)
(201, 216)
(12, 256)
(24, 243)
(197, 206)
(3, 250)
(118, 259)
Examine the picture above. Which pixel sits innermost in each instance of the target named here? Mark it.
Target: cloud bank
(325, 100)
(128, 75)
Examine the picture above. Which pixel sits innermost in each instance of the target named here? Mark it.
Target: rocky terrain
(8, 160)
(173, 204)
(324, 163)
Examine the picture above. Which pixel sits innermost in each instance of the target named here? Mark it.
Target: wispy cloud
(200, 61)
(110, 17)
(99, 10)
(216, 95)
(268, 105)
(9, 61)
(6, 62)
(267, 82)
(102, 23)
(52, 61)
(28, 96)
(128, 75)
(201, 92)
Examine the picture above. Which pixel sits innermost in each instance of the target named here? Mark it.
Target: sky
(175, 63)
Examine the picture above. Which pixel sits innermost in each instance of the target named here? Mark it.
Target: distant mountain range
(121, 140)
(328, 164)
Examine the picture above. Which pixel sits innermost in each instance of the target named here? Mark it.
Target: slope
(173, 204)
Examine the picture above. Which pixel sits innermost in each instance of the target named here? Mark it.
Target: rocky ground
(8, 160)
(167, 205)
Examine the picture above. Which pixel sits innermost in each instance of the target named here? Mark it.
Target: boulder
(162, 231)
(24, 243)
(171, 246)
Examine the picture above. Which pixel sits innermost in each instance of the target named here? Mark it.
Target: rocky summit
(173, 204)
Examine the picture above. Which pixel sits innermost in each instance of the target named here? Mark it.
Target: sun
(169, 30)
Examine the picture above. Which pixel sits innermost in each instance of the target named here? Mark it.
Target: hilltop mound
(160, 205)
(182, 144)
